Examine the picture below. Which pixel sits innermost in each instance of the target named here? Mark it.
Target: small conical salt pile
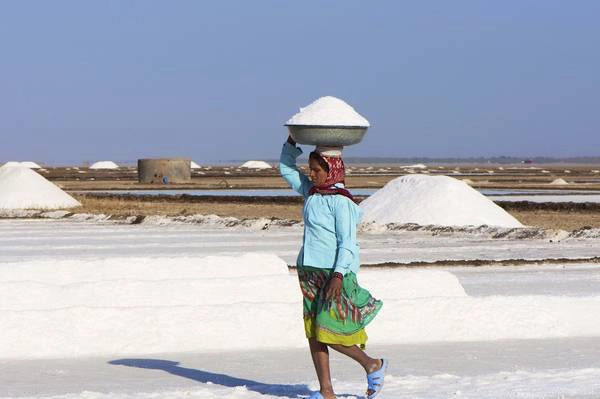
(104, 165)
(22, 188)
(433, 200)
(256, 165)
(328, 111)
(559, 182)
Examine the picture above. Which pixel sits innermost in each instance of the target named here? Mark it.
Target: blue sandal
(375, 380)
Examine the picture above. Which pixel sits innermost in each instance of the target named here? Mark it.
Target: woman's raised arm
(290, 172)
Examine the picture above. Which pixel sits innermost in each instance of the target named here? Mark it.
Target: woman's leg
(320, 357)
(357, 354)
(354, 352)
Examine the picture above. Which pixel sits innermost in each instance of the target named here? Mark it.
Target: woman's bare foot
(328, 393)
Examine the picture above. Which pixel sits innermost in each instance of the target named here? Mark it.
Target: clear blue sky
(121, 80)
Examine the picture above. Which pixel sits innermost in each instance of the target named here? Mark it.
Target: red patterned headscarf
(336, 174)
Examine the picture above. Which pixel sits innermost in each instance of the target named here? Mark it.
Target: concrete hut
(164, 170)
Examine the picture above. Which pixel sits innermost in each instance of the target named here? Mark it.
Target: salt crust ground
(563, 368)
(266, 223)
(28, 239)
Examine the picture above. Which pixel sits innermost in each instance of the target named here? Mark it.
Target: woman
(336, 308)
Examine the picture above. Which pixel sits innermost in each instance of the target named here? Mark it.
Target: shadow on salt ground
(297, 390)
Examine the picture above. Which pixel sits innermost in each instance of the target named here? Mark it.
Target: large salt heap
(433, 200)
(22, 188)
(256, 165)
(104, 165)
(559, 182)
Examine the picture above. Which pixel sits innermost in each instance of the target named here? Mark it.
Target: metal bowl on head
(334, 136)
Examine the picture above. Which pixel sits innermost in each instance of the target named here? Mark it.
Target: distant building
(164, 170)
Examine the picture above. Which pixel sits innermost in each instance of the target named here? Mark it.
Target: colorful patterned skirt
(336, 322)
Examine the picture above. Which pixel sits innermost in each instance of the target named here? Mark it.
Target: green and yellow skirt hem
(326, 336)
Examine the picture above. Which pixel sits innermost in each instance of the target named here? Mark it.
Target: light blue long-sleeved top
(330, 221)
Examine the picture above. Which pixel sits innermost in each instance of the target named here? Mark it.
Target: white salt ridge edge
(30, 165)
(433, 200)
(328, 111)
(256, 165)
(194, 165)
(22, 188)
(104, 165)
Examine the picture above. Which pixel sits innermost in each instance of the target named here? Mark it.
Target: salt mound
(11, 163)
(256, 165)
(415, 166)
(559, 182)
(194, 165)
(411, 284)
(22, 188)
(436, 200)
(328, 111)
(30, 165)
(104, 165)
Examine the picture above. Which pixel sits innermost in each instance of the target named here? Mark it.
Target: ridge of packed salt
(194, 165)
(433, 200)
(23, 188)
(128, 305)
(328, 111)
